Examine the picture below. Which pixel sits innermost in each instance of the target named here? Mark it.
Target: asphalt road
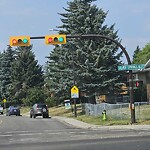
(24, 133)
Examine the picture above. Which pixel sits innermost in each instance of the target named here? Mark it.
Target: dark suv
(39, 110)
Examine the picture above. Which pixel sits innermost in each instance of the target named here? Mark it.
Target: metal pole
(73, 67)
(132, 107)
(128, 60)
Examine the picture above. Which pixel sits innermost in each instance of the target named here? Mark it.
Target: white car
(1, 109)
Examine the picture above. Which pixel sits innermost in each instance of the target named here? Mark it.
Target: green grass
(24, 110)
(97, 120)
(142, 118)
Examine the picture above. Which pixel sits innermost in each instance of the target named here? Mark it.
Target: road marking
(5, 135)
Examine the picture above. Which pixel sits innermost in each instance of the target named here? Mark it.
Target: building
(144, 75)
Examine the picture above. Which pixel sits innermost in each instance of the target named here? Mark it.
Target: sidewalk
(80, 124)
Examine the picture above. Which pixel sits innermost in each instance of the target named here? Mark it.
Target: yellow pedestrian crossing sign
(4, 100)
(74, 92)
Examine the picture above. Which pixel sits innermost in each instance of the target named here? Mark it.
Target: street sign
(4, 100)
(74, 92)
(67, 104)
(131, 67)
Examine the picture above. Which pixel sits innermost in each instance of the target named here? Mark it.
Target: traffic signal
(138, 83)
(55, 39)
(19, 41)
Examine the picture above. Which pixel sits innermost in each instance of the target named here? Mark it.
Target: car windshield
(41, 106)
(13, 107)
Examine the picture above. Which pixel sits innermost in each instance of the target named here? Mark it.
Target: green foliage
(6, 60)
(34, 95)
(19, 75)
(143, 55)
(26, 73)
(10, 103)
(91, 64)
(51, 101)
(135, 53)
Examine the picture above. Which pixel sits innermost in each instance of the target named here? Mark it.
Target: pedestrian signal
(55, 39)
(19, 41)
(138, 83)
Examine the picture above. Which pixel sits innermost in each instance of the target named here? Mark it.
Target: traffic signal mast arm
(48, 41)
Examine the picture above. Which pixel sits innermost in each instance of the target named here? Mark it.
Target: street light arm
(105, 37)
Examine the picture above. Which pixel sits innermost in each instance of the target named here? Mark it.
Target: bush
(34, 95)
(51, 101)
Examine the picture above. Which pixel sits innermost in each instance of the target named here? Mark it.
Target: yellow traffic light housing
(55, 39)
(19, 41)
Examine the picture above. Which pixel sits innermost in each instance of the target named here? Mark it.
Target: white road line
(6, 135)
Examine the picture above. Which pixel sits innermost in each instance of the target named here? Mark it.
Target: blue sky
(34, 18)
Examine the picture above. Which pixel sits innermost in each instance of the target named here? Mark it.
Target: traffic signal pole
(93, 36)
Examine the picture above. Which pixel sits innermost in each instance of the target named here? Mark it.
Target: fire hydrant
(104, 115)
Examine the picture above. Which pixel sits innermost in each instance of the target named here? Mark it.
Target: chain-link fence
(118, 111)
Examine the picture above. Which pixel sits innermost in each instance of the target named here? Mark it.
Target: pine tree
(135, 53)
(26, 72)
(6, 60)
(89, 63)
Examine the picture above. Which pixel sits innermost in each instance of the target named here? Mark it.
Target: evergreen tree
(26, 72)
(143, 55)
(89, 63)
(135, 53)
(6, 60)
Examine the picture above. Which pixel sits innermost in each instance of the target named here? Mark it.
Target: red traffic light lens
(14, 41)
(50, 40)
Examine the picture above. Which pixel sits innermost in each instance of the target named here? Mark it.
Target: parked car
(1, 110)
(13, 110)
(39, 110)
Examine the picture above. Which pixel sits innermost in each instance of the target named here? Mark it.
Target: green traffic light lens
(25, 41)
(61, 39)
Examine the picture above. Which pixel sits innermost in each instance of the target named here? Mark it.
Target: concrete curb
(80, 124)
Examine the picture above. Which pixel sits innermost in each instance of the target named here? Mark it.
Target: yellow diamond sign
(4, 100)
(74, 92)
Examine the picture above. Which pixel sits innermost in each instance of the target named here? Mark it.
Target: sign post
(74, 95)
(4, 101)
